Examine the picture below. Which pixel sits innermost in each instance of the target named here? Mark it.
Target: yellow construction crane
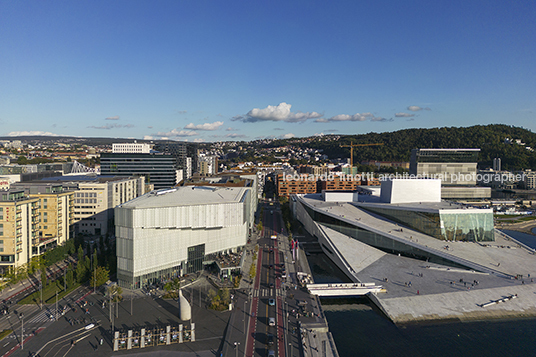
(352, 145)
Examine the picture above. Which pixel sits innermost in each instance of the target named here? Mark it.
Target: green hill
(397, 145)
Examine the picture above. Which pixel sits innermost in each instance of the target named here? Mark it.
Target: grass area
(524, 219)
(49, 294)
(5, 333)
(506, 215)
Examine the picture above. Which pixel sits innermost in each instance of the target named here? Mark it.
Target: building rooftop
(85, 178)
(186, 196)
(374, 201)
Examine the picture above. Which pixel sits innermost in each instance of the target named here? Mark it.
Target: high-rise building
(497, 164)
(455, 167)
(159, 169)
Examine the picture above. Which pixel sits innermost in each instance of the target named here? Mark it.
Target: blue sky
(242, 70)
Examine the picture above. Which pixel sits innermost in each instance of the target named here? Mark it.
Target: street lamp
(22, 331)
(245, 315)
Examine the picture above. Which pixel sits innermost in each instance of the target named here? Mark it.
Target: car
(270, 339)
(271, 302)
(271, 353)
(271, 321)
(271, 285)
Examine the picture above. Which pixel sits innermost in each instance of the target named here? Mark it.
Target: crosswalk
(45, 316)
(263, 292)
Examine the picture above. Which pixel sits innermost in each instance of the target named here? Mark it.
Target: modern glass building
(453, 166)
(473, 225)
(439, 220)
(159, 169)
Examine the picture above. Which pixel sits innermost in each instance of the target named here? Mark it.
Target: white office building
(169, 232)
(131, 148)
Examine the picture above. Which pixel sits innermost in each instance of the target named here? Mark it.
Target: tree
(173, 287)
(43, 276)
(114, 292)
(80, 254)
(100, 276)
(81, 272)
(225, 296)
(69, 277)
(252, 271)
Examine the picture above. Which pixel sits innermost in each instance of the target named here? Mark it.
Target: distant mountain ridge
(397, 145)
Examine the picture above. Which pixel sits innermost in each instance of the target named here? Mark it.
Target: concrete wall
(410, 190)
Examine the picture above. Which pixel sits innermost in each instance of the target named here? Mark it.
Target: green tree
(44, 276)
(69, 277)
(173, 287)
(252, 271)
(100, 276)
(81, 272)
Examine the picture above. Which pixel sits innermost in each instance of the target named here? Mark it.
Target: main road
(267, 325)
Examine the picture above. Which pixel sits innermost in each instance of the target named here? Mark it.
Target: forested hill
(397, 145)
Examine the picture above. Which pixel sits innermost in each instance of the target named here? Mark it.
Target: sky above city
(245, 70)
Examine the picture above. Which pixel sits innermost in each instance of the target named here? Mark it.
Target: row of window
(86, 200)
(85, 194)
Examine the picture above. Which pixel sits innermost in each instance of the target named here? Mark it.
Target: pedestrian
(417, 292)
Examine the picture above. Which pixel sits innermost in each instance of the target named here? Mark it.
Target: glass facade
(126, 280)
(472, 227)
(158, 169)
(195, 258)
(378, 241)
(438, 155)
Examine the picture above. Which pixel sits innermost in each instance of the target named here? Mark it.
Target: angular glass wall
(378, 241)
(472, 227)
(424, 222)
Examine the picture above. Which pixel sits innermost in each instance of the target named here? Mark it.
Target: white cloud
(280, 112)
(148, 137)
(415, 108)
(234, 135)
(205, 126)
(176, 133)
(111, 126)
(112, 118)
(182, 111)
(347, 117)
(198, 140)
(404, 115)
(287, 136)
(32, 133)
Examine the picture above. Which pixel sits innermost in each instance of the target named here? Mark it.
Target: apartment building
(56, 212)
(289, 184)
(94, 198)
(19, 229)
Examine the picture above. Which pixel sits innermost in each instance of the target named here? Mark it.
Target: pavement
(419, 291)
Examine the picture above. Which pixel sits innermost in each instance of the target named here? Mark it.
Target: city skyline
(216, 71)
